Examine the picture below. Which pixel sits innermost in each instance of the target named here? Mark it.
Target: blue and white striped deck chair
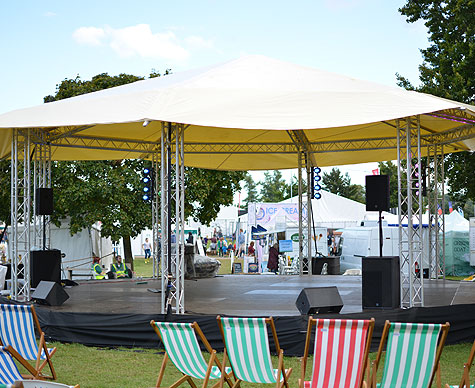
(40, 384)
(9, 372)
(17, 334)
(182, 348)
(247, 347)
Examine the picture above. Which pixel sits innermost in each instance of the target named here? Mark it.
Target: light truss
(20, 241)
(436, 221)
(410, 212)
(305, 207)
(156, 215)
(173, 218)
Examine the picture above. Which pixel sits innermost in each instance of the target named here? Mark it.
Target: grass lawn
(112, 368)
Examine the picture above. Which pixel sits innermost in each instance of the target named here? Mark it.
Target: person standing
(273, 262)
(251, 251)
(241, 243)
(147, 248)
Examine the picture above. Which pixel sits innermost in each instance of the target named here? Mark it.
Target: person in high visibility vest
(120, 269)
(97, 269)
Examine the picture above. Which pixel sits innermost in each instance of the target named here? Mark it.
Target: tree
(339, 184)
(389, 168)
(273, 187)
(110, 191)
(251, 188)
(448, 71)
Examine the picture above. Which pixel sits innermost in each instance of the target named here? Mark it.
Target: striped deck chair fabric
(340, 352)
(247, 346)
(17, 329)
(412, 354)
(41, 384)
(181, 345)
(9, 372)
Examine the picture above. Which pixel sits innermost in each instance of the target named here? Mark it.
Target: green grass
(143, 269)
(112, 368)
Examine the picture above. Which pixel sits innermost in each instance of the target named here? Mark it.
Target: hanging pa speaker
(50, 293)
(44, 201)
(377, 192)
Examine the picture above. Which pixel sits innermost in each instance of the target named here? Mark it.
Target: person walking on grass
(147, 248)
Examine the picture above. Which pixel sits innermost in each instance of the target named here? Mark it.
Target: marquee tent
(242, 107)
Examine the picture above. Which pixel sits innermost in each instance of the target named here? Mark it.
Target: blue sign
(285, 246)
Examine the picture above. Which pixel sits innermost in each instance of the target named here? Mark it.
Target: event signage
(268, 213)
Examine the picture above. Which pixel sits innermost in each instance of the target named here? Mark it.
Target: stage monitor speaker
(45, 265)
(44, 201)
(377, 192)
(319, 300)
(380, 282)
(50, 293)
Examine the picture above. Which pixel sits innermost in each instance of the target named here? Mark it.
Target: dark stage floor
(250, 295)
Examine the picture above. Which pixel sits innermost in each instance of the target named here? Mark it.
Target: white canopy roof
(251, 100)
(455, 222)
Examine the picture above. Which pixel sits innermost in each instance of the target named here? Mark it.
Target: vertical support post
(172, 216)
(436, 201)
(410, 211)
(156, 215)
(309, 212)
(303, 216)
(20, 214)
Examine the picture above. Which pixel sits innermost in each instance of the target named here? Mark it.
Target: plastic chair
(412, 354)
(340, 356)
(183, 349)
(247, 345)
(17, 335)
(465, 382)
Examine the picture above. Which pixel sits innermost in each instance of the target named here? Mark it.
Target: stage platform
(240, 295)
(118, 312)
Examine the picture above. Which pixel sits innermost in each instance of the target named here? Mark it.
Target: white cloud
(49, 14)
(89, 36)
(139, 40)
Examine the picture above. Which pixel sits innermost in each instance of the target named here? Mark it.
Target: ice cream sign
(267, 213)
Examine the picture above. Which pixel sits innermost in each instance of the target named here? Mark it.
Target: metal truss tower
(436, 201)
(305, 206)
(156, 215)
(410, 211)
(172, 180)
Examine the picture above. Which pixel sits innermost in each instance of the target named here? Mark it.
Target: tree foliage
(251, 188)
(274, 187)
(339, 184)
(448, 71)
(389, 168)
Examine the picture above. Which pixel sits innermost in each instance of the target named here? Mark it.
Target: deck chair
(340, 355)
(182, 347)
(247, 346)
(40, 384)
(17, 335)
(412, 354)
(465, 382)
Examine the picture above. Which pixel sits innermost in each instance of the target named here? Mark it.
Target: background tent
(457, 250)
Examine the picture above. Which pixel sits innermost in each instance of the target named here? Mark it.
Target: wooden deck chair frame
(185, 378)
(36, 371)
(42, 383)
(280, 369)
(465, 382)
(436, 370)
(365, 368)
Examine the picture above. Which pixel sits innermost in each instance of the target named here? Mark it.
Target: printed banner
(268, 213)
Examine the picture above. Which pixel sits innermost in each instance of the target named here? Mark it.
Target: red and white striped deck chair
(340, 355)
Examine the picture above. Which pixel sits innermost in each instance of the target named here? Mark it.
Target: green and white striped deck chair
(465, 383)
(412, 355)
(247, 347)
(182, 348)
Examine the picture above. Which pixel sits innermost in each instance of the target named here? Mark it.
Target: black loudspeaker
(380, 282)
(50, 293)
(45, 265)
(44, 202)
(319, 300)
(377, 192)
